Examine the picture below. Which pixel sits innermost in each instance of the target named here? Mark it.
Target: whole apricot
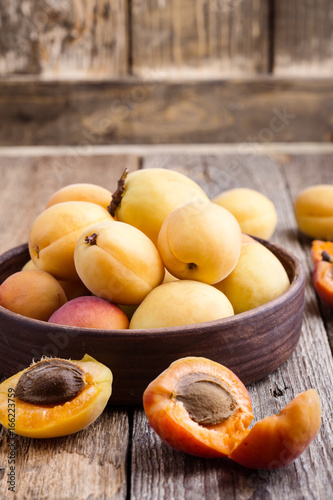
(199, 407)
(200, 241)
(82, 192)
(181, 302)
(118, 262)
(257, 278)
(55, 232)
(55, 397)
(145, 197)
(35, 294)
(255, 212)
(314, 211)
(279, 439)
(90, 312)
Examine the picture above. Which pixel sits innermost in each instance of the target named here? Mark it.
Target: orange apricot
(320, 246)
(82, 192)
(279, 439)
(55, 397)
(199, 407)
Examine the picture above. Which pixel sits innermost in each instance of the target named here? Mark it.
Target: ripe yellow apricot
(200, 241)
(35, 294)
(257, 278)
(54, 420)
(82, 192)
(179, 303)
(55, 232)
(118, 262)
(255, 213)
(149, 195)
(314, 211)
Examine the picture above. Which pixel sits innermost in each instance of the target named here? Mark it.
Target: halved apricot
(55, 397)
(320, 246)
(279, 439)
(199, 407)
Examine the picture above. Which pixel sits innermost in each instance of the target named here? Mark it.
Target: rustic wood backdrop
(158, 71)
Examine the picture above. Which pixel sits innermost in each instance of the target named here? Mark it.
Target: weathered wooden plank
(173, 474)
(138, 112)
(89, 464)
(303, 38)
(200, 38)
(28, 183)
(85, 39)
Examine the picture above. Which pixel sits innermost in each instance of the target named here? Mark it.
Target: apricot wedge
(54, 420)
(279, 439)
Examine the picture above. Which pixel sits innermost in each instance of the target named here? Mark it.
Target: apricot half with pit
(200, 407)
(55, 397)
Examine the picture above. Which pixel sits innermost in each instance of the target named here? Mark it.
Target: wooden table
(119, 456)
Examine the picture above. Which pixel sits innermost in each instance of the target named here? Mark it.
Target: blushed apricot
(314, 211)
(35, 294)
(279, 439)
(90, 312)
(82, 192)
(53, 378)
(199, 407)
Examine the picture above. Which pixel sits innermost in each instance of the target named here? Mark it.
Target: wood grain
(199, 38)
(309, 366)
(84, 39)
(303, 38)
(155, 112)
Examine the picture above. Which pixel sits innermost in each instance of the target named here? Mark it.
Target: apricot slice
(320, 246)
(78, 392)
(322, 279)
(279, 439)
(82, 192)
(199, 407)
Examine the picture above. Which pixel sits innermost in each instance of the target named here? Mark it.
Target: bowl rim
(297, 282)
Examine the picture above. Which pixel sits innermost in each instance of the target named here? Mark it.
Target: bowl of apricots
(150, 274)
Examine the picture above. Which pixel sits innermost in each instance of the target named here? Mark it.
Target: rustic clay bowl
(252, 344)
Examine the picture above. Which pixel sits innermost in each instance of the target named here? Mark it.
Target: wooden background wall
(169, 70)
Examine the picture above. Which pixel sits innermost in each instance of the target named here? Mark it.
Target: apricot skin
(200, 241)
(170, 420)
(314, 211)
(55, 232)
(181, 302)
(82, 192)
(33, 293)
(257, 278)
(53, 421)
(152, 194)
(122, 267)
(279, 439)
(255, 213)
(90, 312)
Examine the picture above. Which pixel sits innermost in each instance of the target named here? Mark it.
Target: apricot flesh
(152, 194)
(90, 312)
(257, 278)
(35, 294)
(168, 416)
(82, 192)
(48, 421)
(55, 232)
(255, 212)
(279, 439)
(179, 303)
(121, 264)
(200, 241)
(314, 211)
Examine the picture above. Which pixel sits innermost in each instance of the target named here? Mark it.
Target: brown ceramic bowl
(252, 344)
